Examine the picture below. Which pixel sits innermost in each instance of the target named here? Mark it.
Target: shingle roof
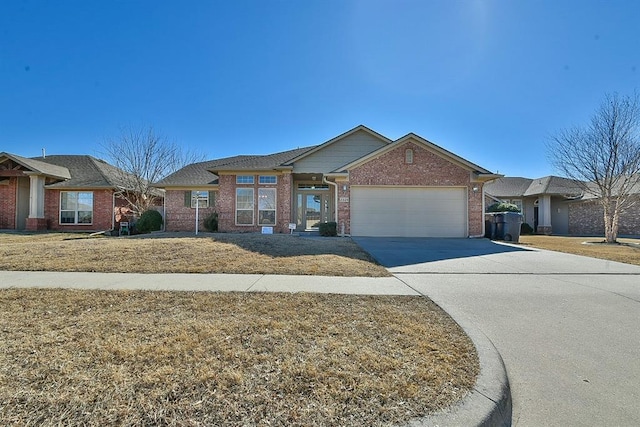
(266, 162)
(39, 166)
(203, 173)
(87, 172)
(554, 185)
(197, 173)
(522, 187)
(507, 187)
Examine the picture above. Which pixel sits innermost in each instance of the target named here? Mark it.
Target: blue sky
(488, 80)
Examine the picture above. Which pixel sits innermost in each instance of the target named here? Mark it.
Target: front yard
(74, 357)
(628, 251)
(186, 253)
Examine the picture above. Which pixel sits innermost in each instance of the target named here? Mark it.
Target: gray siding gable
(339, 153)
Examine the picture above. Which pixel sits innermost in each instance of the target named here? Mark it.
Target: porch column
(36, 220)
(544, 214)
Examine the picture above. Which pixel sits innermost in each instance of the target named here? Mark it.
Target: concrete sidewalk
(488, 404)
(206, 282)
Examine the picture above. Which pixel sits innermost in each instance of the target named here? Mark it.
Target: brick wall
(427, 169)
(8, 204)
(586, 219)
(102, 211)
(227, 203)
(180, 217)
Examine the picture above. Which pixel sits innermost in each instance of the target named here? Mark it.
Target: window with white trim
(408, 156)
(244, 206)
(517, 202)
(266, 206)
(244, 179)
(267, 179)
(202, 197)
(76, 207)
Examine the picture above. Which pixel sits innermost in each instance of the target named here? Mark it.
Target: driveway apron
(565, 325)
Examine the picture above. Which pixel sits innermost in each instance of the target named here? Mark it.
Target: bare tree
(145, 157)
(603, 157)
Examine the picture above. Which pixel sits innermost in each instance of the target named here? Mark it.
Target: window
(267, 206)
(244, 206)
(76, 207)
(408, 156)
(313, 186)
(517, 202)
(267, 179)
(202, 197)
(244, 179)
(205, 198)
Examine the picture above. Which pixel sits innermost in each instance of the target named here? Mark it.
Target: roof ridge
(101, 172)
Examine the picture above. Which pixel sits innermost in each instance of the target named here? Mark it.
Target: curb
(489, 402)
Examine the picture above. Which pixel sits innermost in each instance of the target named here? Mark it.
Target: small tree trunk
(615, 221)
(610, 223)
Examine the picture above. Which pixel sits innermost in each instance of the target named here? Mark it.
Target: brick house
(366, 183)
(556, 205)
(61, 192)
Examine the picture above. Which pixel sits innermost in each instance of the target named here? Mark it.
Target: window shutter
(187, 199)
(212, 199)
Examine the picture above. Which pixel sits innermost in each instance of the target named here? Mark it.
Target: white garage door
(408, 211)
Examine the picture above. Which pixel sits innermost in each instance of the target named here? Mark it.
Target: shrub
(328, 229)
(526, 228)
(211, 222)
(503, 207)
(149, 221)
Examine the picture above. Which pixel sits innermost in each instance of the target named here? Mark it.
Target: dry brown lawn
(73, 357)
(186, 253)
(628, 251)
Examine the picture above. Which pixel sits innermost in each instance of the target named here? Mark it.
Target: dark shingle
(553, 185)
(88, 172)
(203, 173)
(507, 187)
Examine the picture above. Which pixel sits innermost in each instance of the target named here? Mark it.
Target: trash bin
(499, 227)
(511, 226)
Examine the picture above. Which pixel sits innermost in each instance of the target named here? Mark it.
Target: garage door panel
(408, 211)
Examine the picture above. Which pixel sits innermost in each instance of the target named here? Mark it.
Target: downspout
(335, 202)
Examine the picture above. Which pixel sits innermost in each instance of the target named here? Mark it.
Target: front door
(312, 208)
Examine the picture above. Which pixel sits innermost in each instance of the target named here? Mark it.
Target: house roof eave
(37, 167)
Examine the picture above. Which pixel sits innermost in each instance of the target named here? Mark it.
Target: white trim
(76, 209)
(253, 208)
(275, 208)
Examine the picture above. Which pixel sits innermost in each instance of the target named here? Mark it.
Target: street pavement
(566, 326)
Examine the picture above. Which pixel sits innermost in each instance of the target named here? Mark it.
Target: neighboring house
(366, 183)
(556, 205)
(60, 192)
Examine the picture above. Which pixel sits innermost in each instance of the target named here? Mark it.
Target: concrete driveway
(567, 327)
